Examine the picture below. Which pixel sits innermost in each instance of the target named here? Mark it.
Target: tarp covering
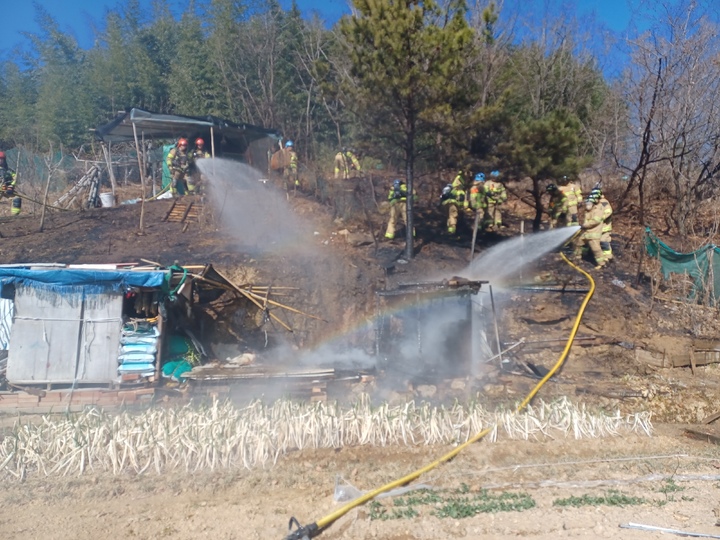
(229, 136)
(68, 280)
(703, 265)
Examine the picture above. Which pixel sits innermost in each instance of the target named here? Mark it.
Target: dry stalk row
(223, 435)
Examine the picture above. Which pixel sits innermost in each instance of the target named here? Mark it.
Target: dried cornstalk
(222, 435)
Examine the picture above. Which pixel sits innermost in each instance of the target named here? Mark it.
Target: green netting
(33, 168)
(703, 265)
(166, 176)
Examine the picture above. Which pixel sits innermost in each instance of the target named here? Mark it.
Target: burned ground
(630, 311)
(338, 279)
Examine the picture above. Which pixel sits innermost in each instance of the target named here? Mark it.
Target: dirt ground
(623, 316)
(669, 481)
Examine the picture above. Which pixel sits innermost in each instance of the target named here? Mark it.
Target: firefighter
(178, 161)
(574, 195)
(345, 162)
(495, 195)
(592, 229)
(8, 177)
(397, 198)
(195, 179)
(557, 207)
(453, 198)
(290, 171)
(605, 239)
(478, 201)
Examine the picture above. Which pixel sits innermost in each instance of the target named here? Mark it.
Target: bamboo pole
(278, 304)
(142, 179)
(45, 198)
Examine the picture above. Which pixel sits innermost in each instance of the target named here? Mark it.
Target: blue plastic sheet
(74, 281)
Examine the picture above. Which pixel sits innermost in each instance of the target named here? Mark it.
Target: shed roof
(170, 126)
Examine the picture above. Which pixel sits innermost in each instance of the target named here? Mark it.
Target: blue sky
(79, 17)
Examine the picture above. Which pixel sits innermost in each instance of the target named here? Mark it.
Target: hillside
(336, 268)
(264, 237)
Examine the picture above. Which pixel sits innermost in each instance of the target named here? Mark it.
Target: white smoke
(252, 209)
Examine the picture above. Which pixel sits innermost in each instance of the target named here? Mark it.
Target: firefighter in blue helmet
(290, 171)
(397, 198)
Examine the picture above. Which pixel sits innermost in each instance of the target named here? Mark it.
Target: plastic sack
(344, 491)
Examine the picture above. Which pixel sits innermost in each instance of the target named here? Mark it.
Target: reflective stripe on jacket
(593, 224)
(607, 215)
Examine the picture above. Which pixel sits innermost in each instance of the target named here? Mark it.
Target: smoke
(251, 209)
(503, 261)
(434, 338)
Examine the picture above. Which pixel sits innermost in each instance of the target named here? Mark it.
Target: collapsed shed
(98, 324)
(431, 329)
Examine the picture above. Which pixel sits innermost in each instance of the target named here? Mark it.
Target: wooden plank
(100, 339)
(692, 360)
(44, 337)
(169, 211)
(711, 418)
(703, 435)
(187, 210)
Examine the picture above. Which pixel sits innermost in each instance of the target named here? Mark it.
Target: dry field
(546, 487)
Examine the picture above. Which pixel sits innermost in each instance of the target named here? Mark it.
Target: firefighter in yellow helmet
(574, 195)
(346, 164)
(557, 207)
(195, 179)
(178, 162)
(397, 198)
(495, 196)
(453, 198)
(593, 229)
(8, 177)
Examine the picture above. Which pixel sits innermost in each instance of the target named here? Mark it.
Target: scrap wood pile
(224, 436)
(84, 193)
(260, 296)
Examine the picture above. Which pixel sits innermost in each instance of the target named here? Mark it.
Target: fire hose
(314, 529)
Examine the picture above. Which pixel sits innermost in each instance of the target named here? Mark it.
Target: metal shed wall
(60, 338)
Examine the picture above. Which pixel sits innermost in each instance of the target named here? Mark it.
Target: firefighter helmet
(2, 154)
(199, 142)
(495, 174)
(551, 188)
(594, 196)
(288, 144)
(182, 142)
(480, 177)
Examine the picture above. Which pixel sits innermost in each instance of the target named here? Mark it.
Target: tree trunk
(537, 197)
(409, 171)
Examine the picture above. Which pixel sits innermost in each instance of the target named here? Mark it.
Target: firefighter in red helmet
(195, 178)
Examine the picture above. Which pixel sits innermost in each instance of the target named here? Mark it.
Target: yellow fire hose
(314, 529)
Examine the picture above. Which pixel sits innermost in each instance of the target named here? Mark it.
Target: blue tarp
(71, 280)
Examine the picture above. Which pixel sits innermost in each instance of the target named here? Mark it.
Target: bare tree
(672, 89)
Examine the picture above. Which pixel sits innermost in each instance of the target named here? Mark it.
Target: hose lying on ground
(314, 529)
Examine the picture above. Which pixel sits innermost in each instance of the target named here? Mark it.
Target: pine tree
(406, 57)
